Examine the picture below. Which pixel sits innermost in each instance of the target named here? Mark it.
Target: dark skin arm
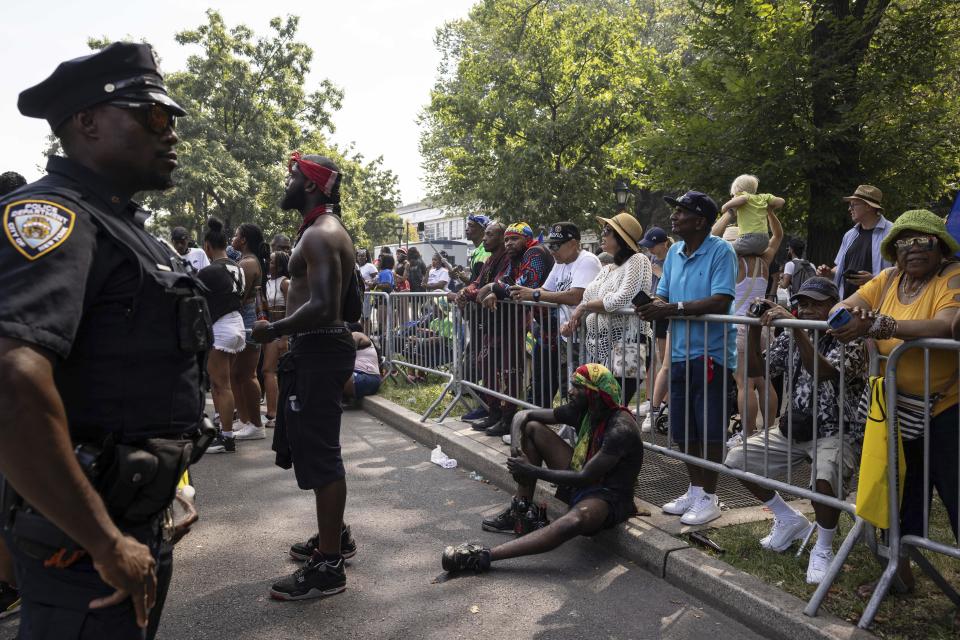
(324, 277)
(520, 418)
(755, 360)
(570, 297)
(660, 309)
(37, 457)
(596, 468)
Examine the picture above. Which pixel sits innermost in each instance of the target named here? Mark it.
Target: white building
(437, 223)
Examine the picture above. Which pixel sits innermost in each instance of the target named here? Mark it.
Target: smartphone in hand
(839, 318)
(641, 299)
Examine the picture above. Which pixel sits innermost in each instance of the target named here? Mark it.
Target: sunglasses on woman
(154, 117)
(923, 243)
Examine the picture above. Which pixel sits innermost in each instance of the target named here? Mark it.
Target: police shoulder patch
(37, 227)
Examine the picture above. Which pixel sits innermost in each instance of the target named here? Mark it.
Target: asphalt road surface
(403, 511)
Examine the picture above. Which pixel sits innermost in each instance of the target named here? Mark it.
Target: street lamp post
(622, 191)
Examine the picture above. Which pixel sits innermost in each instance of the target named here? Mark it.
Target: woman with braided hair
(596, 477)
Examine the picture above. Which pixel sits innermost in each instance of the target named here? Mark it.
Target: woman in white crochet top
(616, 341)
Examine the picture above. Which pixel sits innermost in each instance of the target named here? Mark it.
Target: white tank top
(752, 286)
(366, 361)
(275, 297)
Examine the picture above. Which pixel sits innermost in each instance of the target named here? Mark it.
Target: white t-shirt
(438, 275)
(789, 268)
(368, 271)
(197, 258)
(574, 275)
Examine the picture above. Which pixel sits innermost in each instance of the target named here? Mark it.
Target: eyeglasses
(154, 117)
(555, 245)
(923, 243)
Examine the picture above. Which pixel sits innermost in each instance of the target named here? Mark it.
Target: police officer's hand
(259, 332)
(130, 568)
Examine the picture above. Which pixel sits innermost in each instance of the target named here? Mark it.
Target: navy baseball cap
(653, 237)
(695, 202)
(817, 288)
(563, 231)
(122, 70)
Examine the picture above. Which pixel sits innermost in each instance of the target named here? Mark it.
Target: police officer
(95, 348)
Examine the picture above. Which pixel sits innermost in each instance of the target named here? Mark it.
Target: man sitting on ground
(597, 476)
(814, 299)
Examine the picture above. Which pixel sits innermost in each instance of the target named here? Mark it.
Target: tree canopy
(533, 101)
(248, 109)
(539, 105)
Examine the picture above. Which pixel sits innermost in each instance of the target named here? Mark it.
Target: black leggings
(944, 461)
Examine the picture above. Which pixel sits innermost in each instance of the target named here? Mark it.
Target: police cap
(121, 70)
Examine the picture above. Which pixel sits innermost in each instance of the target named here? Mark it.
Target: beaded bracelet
(883, 328)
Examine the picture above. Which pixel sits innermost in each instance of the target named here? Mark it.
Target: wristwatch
(536, 295)
(680, 308)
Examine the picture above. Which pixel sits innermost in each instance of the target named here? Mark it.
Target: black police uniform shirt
(71, 289)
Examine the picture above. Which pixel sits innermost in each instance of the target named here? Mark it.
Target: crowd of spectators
(626, 308)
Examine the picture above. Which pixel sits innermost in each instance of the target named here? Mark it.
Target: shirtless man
(312, 373)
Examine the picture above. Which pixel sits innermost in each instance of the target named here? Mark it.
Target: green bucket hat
(917, 220)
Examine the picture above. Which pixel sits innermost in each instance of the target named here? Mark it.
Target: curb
(762, 607)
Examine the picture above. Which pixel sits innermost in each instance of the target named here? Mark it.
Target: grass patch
(925, 613)
(418, 396)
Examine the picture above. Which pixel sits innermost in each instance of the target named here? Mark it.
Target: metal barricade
(911, 544)
(492, 362)
(693, 333)
(512, 354)
(423, 338)
(376, 320)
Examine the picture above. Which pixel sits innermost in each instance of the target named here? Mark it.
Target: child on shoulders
(750, 211)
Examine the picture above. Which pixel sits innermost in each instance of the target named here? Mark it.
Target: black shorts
(618, 509)
(311, 376)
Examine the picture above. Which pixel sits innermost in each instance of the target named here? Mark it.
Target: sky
(380, 52)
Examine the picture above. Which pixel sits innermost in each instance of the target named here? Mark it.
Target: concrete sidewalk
(648, 540)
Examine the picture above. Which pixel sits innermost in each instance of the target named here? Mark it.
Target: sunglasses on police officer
(152, 116)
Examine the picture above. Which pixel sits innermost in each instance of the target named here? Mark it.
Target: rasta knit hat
(917, 220)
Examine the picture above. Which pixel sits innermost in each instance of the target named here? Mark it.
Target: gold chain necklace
(914, 291)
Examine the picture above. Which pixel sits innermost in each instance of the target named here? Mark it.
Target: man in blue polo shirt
(699, 277)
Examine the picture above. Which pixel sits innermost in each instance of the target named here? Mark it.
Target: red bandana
(311, 217)
(318, 174)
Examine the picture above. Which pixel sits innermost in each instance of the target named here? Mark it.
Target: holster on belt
(137, 481)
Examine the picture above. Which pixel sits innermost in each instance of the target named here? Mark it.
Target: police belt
(137, 481)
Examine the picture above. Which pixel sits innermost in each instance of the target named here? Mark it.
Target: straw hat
(627, 227)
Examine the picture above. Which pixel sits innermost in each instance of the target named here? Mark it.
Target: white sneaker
(647, 425)
(785, 531)
(679, 506)
(702, 511)
(820, 560)
(247, 431)
(644, 408)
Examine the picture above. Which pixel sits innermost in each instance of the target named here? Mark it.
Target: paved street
(403, 510)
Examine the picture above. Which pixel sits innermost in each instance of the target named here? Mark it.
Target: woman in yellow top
(917, 298)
